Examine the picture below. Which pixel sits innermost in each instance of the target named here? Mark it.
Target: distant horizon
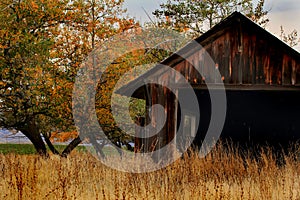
(7, 137)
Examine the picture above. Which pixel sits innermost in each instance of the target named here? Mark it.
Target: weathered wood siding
(243, 57)
(166, 98)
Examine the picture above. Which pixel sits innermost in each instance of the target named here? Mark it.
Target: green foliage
(196, 17)
(27, 77)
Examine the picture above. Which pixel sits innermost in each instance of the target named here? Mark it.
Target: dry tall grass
(221, 175)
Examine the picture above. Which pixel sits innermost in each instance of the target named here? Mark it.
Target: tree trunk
(71, 146)
(50, 145)
(31, 131)
(98, 147)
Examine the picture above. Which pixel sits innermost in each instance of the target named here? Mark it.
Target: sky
(281, 12)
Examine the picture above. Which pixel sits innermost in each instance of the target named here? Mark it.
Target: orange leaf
(33, 5)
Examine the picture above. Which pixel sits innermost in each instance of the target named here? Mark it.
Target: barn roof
(205, 39)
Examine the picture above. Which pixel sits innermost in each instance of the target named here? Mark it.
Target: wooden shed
(261, 75)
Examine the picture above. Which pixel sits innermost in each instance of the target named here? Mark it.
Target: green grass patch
(26, 149)
(21, 149)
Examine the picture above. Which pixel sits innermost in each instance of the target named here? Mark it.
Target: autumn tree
(27, 77)
(196, 17)
(42, 44)
(94, 22)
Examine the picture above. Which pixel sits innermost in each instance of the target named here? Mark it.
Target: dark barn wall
(254, 117)
(261, 117)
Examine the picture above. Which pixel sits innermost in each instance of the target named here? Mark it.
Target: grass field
(221, 175)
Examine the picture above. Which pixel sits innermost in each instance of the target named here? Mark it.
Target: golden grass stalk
(222, 174)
